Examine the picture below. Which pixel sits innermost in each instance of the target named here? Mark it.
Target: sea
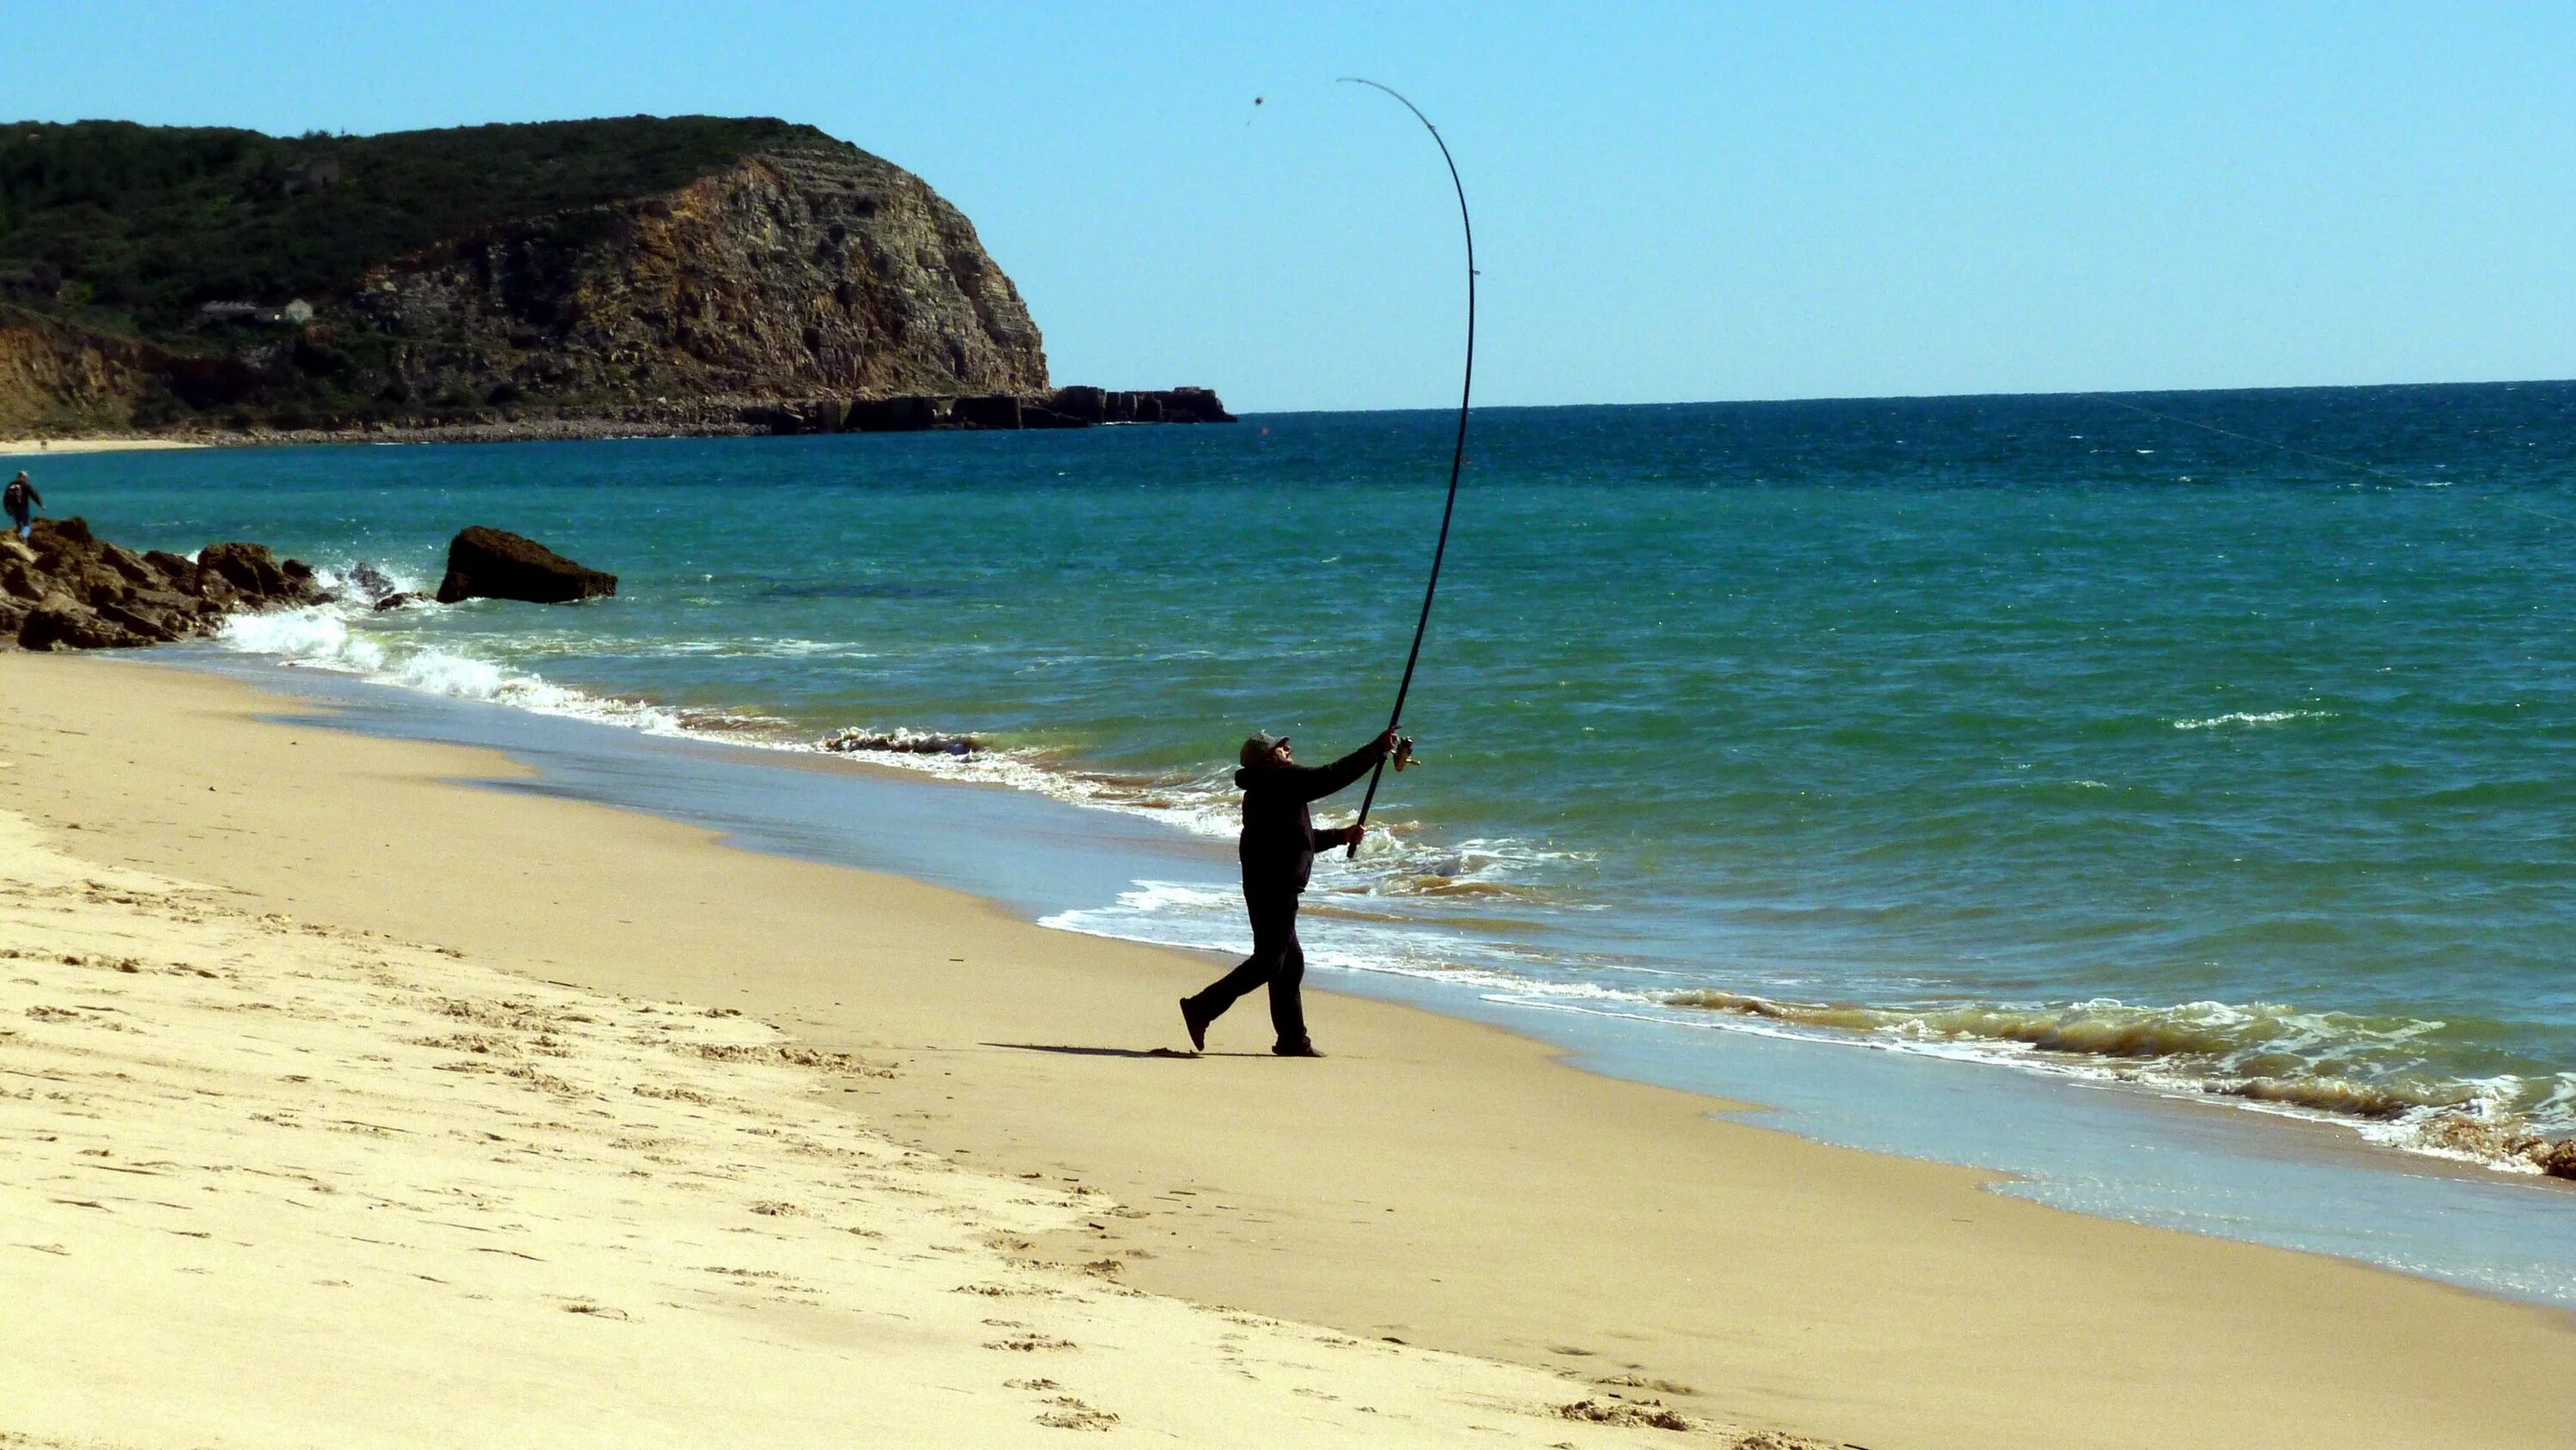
(2164, 799)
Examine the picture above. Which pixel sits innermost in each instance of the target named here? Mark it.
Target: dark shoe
(1197, 1026)
(1295, 1049)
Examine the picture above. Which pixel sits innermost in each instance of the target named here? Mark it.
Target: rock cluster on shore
(64, 588)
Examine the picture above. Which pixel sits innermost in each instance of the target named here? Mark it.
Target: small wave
(2370, 1072)
(2267, 717)
(899, 742)
(1432, 884)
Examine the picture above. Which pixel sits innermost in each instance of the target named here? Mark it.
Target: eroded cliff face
(62, 378)
(822, 271)
(805, 271)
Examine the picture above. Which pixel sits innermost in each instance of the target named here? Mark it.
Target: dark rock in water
(998, 411)
(496, 564)
(901, 742)
(1083, 405)
(1193, 405)
(812, 415)
(1070, 407)
(371, 581)
(397, 601)
(896, 415)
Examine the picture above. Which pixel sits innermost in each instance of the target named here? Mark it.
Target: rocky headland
(569, 279)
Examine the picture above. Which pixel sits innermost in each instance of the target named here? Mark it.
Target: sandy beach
(25, 448)
(351, 1103)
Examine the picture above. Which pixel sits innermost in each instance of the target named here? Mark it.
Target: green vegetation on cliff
(655, 272)
(135, 227)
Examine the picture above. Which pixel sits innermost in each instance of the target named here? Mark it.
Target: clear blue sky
(1675, 202)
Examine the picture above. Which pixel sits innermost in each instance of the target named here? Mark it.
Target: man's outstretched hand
(1385, 744)
(1353, 834)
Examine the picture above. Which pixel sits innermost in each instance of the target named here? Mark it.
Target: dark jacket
(1279, 840)
(20, 495)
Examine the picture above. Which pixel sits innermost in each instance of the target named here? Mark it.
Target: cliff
(687, 269)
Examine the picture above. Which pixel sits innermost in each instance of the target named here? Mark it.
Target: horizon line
(1947, 397)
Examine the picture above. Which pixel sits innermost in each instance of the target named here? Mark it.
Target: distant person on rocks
(21, 500)
(1278, 853)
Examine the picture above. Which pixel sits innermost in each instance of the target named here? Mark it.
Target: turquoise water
(2038, 731)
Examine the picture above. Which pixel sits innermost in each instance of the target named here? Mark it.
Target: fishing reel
(1403, 752)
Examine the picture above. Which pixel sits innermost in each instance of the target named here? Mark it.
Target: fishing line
(1457, 455)
(2326, 458)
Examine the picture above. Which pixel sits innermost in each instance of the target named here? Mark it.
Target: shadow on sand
(1069, 1050)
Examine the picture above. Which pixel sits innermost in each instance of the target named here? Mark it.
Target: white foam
(327, 636)
(2268, 717)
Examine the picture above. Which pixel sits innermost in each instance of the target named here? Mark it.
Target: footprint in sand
(1030, 1343)
(1072, 1414)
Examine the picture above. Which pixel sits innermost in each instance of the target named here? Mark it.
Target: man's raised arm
(1320, 781)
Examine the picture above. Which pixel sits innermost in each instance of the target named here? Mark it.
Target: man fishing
(21, 499)
(1279, 836)
(1278, 853)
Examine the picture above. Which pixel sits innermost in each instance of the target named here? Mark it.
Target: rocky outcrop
(779, 265)
(565, 279)
(497, 564)
(64, 588)
(804, 271)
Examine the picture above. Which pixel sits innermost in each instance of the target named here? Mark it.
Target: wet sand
(1436, 1182)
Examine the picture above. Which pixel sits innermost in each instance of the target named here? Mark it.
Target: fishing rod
(1457, 460)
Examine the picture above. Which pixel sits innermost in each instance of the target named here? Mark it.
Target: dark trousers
(1276, 959)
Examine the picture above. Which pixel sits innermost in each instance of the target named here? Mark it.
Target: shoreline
(1874, 1300)
(2445, 1142)
(705, 417)
(93, 443)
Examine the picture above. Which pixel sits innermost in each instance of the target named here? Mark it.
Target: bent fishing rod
(1457, 460)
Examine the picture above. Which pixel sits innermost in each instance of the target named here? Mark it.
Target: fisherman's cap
(1256, 751)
